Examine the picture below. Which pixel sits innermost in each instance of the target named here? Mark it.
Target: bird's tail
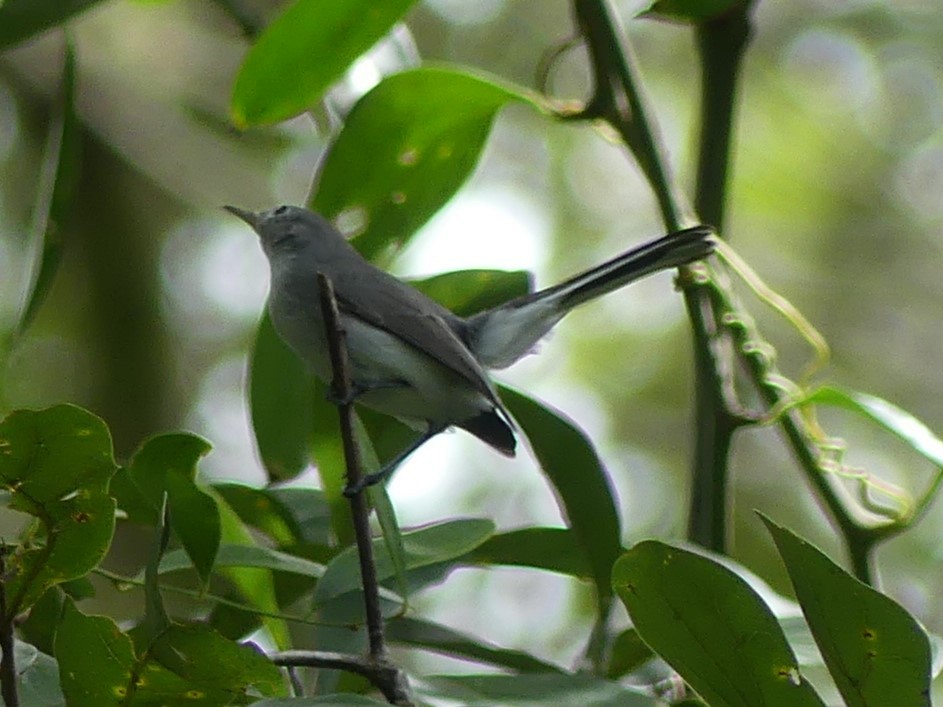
(500, 336)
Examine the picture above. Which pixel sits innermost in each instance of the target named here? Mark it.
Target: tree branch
(342, 390)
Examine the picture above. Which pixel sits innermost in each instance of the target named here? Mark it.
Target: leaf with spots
(711, 627)
(406, 148)
(56, 464)
(876, 652)
(99, 667)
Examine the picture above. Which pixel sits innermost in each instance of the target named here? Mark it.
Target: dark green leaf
(263, 510)
(406, 148)
(167, 464)
(533, 690)
(694, 10)
(570, 463)
(199, 655)
(441, 639)
(628, 653)
(310, 511)
(56, 188)
(21, 19)
(424, 546)
(96, 660)
(876, 652)
(553, 549)
(468, 292)
(344, 699)
(39, 628)
(99, 668)
(156, 620)
(711, 627)
(282, 399)
(56, 463)
(304, 51)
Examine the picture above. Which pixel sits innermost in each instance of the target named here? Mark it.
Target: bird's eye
(280, 210)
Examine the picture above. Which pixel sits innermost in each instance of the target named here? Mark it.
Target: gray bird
(410, 357)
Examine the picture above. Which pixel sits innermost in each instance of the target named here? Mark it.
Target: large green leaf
(406, 147)
(571, 464)
(711, 627)
(167, 464)
(99, 668)
(694, 10)
(55, 192)
(468, 292)
(532, 690)
(282, 400)
(441, 639)
(56, 463)
(21, 19)
(424, 546)
(304, 51)
(876, 652)
(552, 549)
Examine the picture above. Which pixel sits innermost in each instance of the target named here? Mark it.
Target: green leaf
(55, 194)
(876, 652)
(282, 400)
(167, 464)
(441, 639)
(552, 549)
(344, 699)
(96, 660)
(424, 546)
(247, 556)
(886, 415)
(628, 653)
(532, 690)
(21, 19)
(260, 509)
(255, 584)
(56, 464)
(185, 664)
(694, 10)
(711, 627)
(406, 148)
(304, 51)
(582, 486)
(39, 628)
(468, 292)
(200, 656)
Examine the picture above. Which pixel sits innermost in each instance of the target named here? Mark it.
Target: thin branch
(386, 677)
(343, 393)
(8, 688)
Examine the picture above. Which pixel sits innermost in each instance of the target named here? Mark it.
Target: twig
(383, 675)
(8, 661)
(394, 685)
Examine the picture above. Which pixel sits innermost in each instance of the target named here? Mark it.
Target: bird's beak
(250, 217)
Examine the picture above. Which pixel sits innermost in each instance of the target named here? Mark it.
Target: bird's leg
(390, 466)
(359, 389)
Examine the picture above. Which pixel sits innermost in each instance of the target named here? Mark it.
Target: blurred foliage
(835, 201)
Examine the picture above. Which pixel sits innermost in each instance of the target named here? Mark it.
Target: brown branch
(393, 688)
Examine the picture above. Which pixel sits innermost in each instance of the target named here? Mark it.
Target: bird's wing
(403, 311)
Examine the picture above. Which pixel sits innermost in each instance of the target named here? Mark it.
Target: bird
(410, 357)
